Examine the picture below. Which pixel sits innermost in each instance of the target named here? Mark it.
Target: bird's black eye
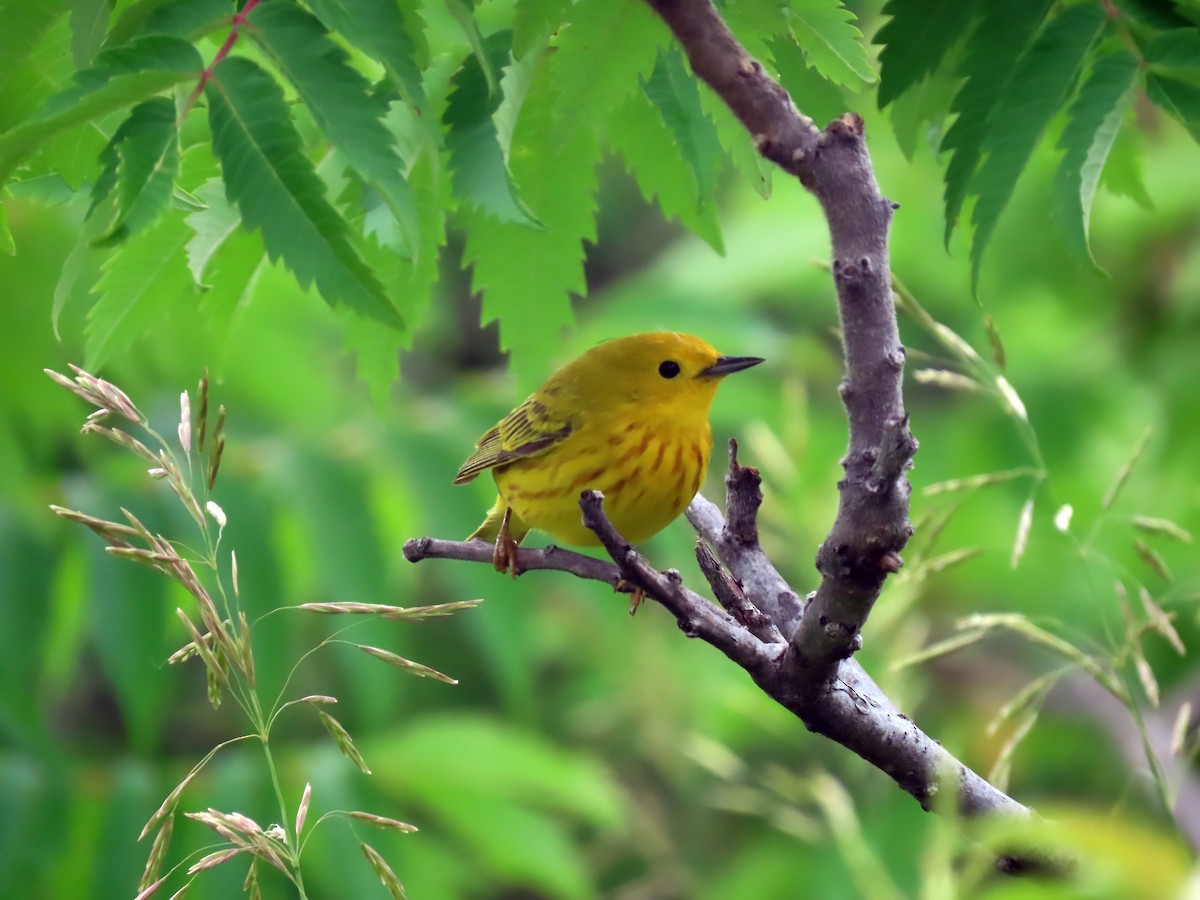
(668, 369)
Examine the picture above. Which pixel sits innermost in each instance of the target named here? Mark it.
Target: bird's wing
(529, 430)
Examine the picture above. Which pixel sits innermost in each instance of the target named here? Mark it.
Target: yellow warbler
(629, 417)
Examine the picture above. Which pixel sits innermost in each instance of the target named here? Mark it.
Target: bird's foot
(504, 557)
(636, 594)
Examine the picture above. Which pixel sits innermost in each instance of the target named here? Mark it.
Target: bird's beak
(727, 364)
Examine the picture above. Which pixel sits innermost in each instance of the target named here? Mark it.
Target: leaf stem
(237, 21)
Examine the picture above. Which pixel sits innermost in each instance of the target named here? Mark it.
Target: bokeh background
(584, 753)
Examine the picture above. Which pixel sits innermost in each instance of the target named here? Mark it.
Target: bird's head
(657, 370)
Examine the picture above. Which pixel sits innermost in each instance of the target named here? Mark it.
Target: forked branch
(798, 653)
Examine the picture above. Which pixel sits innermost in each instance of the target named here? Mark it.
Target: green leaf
(921, 111)
(211, 226)
(231, 279)
(7, 245)
(606, 46)
(512, 764)
(191, 19)
(340, 101)
(638, 133)
(534, 21)
(1179, 98)
(755, 22)
(737, 143)
(477, 160)
(1152, 13)
(379, 29)
(1175, 49)
(527, 275)
(1093, 123)
(50, 189)
(675, 95)
(120, 79)
(1124, 176)
(151, 53)
(989, 61)
(916, 39)
(26, 24)
(78, 273)
(146, 147)
(827, 32)
(409, 283)
(275, 187)
(816, 96)
(140, 282)
(463, 12)
(1044, 79)
(89, 25)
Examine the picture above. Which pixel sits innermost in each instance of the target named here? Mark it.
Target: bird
(629, 418)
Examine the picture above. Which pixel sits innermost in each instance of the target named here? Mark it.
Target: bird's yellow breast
(649, 468)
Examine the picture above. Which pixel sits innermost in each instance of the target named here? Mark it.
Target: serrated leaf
(737, 143)
(831, 41)
(190, 19)
(119, 80)
(921, 111)
(89, 24)
(602, 52)
(638, 133)
(210, 226)
(815, 96)
(464, 14)
(1179, 98)
(154, 52)
(379, 29)
(25, 27)
(232, 276)
(106, 179)
(757, 21)
(1093, 122)
(1152, 13)
(1178, 48)
(477, 159)
(340, 101)
(409, 283)
(274, 185)
(146, 146)
(527, 275)
(139, 283)
(51, 189)
(1044, 79)
(674, 93)
(1124, 176)
(79, 271)
(514, 85)
(916, 39)
(989, 62)
(534, 21)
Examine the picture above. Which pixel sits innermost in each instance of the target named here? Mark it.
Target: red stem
(238, 20)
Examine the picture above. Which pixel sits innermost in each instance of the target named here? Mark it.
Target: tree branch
(851, 710)
(800, 655)
(872, 522)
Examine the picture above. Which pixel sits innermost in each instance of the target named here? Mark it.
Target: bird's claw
(504, 557)
(636, 594)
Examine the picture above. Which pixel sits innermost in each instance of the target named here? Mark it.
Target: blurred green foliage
(584, 753)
